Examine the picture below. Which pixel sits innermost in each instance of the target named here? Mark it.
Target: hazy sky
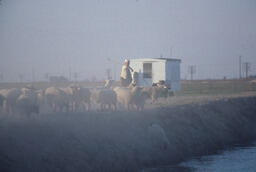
(53, 36)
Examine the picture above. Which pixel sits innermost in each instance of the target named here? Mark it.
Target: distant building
(58, 79)
(153, 70)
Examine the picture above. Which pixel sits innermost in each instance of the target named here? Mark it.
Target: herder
(126, 76)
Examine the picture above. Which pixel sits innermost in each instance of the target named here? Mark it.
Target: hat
(126, 60)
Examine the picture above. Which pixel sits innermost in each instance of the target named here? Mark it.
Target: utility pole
(192, 70)
(70, 74)
(1, 77)
(75, 76)
(246, 68)
(240, 67)
(33, 75)
(21, 76)
(108, 73)
(171, 52)
(46, 76)
(115, 72)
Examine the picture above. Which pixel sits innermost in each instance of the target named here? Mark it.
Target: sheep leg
(108, 107)
(88, 106)
(71, 106)
(77, 105)
(67, 107)
(101, 107)
(10, 110)
(128, 107)
(4, 107)
(113, 105)
(53, 106)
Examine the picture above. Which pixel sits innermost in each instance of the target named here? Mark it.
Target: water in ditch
(236, 159)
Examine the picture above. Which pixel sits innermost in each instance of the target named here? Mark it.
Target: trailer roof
(156, 59)
(169, 59)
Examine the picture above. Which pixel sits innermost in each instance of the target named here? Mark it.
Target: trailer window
(147, 70)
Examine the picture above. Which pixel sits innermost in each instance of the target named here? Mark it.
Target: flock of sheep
(76, 98)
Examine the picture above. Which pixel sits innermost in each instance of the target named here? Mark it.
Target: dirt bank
(124, 141)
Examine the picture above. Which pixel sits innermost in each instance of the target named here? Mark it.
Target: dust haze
(115, 85)
(62, 37)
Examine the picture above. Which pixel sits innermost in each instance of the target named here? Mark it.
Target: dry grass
(188, 88)
(213, 87)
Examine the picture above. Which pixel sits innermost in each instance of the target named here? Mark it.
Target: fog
(93, 126)
(59, 37)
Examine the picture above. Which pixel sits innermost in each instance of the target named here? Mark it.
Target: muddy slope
(123, 141)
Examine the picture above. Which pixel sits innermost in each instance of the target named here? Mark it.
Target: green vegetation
(216, 87)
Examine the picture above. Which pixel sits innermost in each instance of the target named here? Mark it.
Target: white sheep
(106, 98)
(11, 96)
(57, 99)
(69, 97)
(27, 103)
(157, 92)
(81, 98)
(131, 97)
(41, 100)
(108, 84)
(2, 99)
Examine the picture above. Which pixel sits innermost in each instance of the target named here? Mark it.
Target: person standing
(126, 76)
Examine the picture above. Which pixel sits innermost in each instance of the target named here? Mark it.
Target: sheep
(10, 96)
(2, 99)
(77, 96)
(41, 100)
(81, 97)
(29, 100)
(158, 136)
(130, 97)
(28, 89)
(69, 97)
(135, 77)
(108, 84)
(107, 98)
(3, 94)
(123, 96)
(157, 92)
(27, 103)
(56, 99)
(141, 99)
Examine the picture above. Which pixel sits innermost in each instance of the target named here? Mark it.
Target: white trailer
(153, 70)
